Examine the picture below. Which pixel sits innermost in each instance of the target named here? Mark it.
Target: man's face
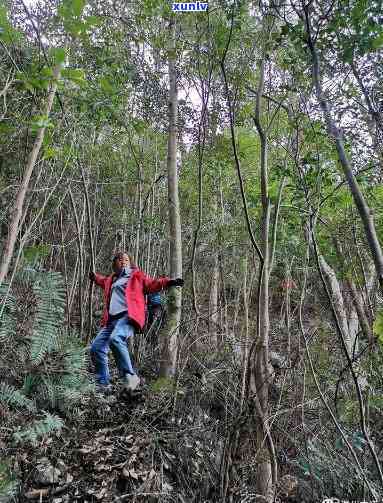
(120, 263)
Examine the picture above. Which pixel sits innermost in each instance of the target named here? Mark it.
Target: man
(124, 311)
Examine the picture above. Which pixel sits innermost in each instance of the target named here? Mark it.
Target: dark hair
(119, 255)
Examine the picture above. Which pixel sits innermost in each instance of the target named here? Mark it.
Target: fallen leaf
(133, 474)
(85, 450)
(100, 494)
(102, 468)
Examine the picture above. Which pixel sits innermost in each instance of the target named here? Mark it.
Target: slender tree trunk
(92, 259)
(73, 287)
(245, 342)
(80, 261)
(17, 210)
(65, 269)
(169, 349)
(358, 305)
(267, 469)
(139, 211)
(213, 301)
(338, 301)
(363, 209)
(213, 297)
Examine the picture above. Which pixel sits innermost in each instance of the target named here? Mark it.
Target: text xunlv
(191, 6)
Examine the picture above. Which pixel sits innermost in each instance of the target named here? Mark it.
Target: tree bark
(267, 469)
(171, 330)
(358, 305)
(338, 301)
(213, 302)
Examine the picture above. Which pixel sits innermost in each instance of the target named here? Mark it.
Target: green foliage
(75, 23)
(39, 429)
(56, 360)
(331, 473)
(106, 86)
(8, 484)
(49, 316)
(15, 398)
(8, 34)
(7, 320)
(75, 75)
(41, 121)
(162, 384)
(348, 410)
(58, 54)
(378, 327)
(35, 78)
(34, 253)
(358, 27)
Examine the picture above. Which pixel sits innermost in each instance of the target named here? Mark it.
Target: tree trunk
(171, 330)
(338, 301)
(333, 132)
(357, 301)
(213, 302)
(245, 342)
(266, 466)
(17, 209)
(80, 260)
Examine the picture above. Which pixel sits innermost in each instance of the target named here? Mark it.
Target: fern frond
(39, 429)
(13, 397)
(75, 358)
(8, 484)
(30, 383)
(50, 393)
(57, 376)
(7, 298)
(7, 328)
(50, 292)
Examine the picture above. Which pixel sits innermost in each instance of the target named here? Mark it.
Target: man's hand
(176, 282)
(92, 276)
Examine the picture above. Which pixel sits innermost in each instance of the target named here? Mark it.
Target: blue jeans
(113, 336)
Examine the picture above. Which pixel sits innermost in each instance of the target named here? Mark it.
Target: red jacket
(138, 285)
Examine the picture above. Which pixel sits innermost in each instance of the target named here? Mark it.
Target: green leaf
(78, 7)
(59, 55)
(41, 121)
(139, 126)
(74, 27)
(50, 153)
(93, 21)
(70, 9)
(377, 42)
(8, 34)
(358, 441)
(74, 74)
(378, 327)
(8, 483)
(376, 402)
(348, 54)
(32, 253)
(106, 85)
